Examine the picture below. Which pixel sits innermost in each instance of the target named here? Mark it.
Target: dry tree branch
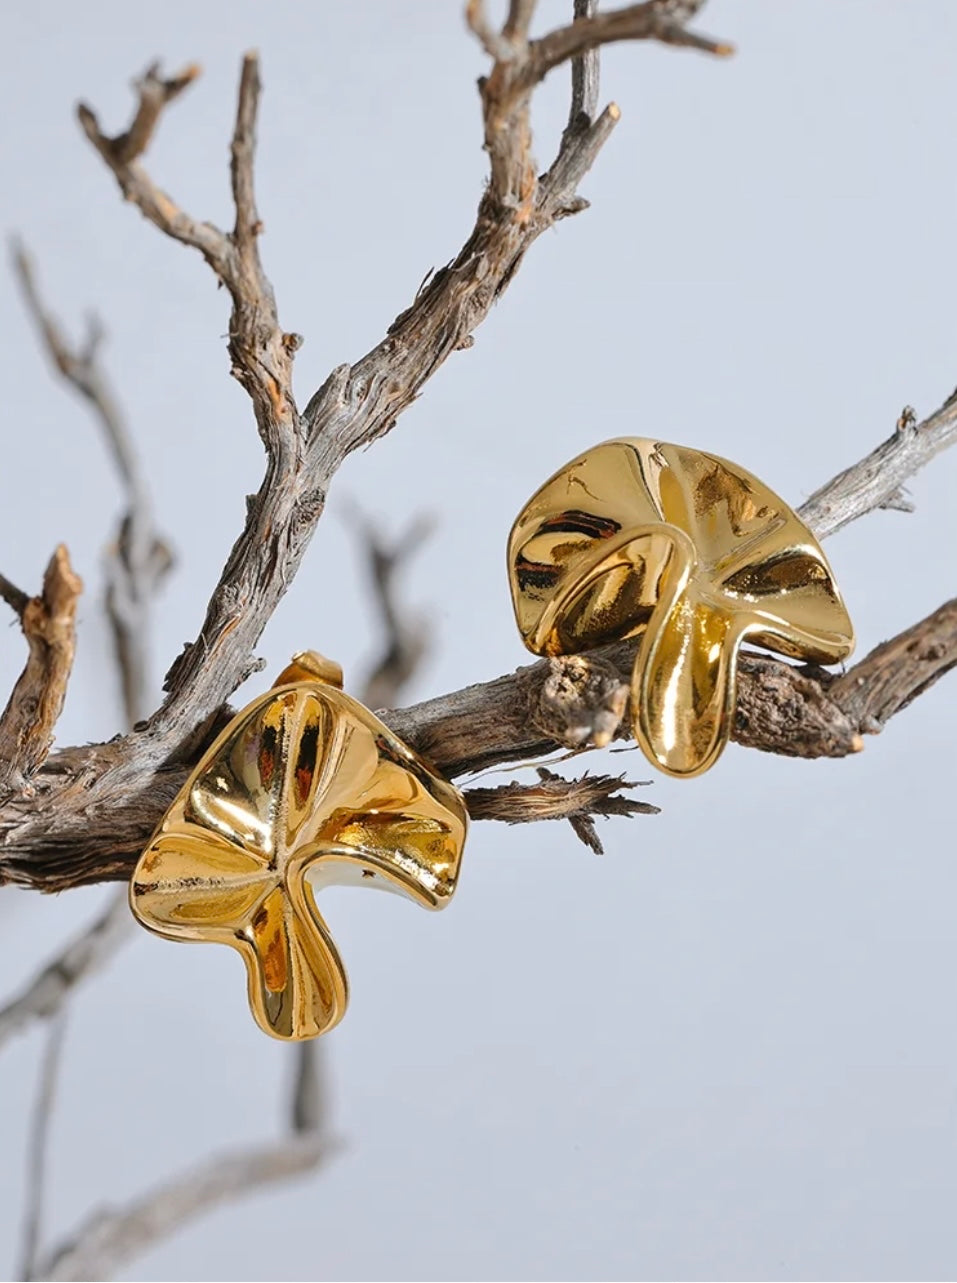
(50, 988)
(782, 708)
(58, 839)
(38, 1147)
(404, 646)
(896, 672)
(585, 81)
(111, 1237)
(140, 558)
(404, 634)
(154, 94)
(878, 480)
(49, 625)
(556, 798)
(261, 355)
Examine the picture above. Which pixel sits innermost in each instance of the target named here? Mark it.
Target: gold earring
(692, 553)
(305, 788)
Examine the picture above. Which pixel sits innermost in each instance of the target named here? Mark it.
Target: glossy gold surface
(305, 788)
(638, 537)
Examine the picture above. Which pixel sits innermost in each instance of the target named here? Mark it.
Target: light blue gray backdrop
(728, 1048)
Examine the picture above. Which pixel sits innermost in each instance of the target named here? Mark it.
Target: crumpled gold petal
(304, 788)
(637, 537)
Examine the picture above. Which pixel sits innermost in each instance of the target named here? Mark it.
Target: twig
(309, 1112)
(556, 798)
(261, 359)
(404, 635)
(80, 368)
(38, 1148)
(877, 481)
(895, 673)
(404, 647)
(139, 558)
(49, 624)
(15, 597)
(112, 1236)
(154, 94)
(654, 20)
(48, 991)
(585, 80)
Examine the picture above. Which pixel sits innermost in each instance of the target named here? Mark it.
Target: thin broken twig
(38, 1148)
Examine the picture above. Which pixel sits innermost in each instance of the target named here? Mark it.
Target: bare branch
(556, 798)
(15, 597)
(80, 368)
(520, 65)
(876, 481)
(404, 647)
(38, 1148)
(310, 1094)
(491, 39)
(585, 80)
(139, 559)
(520, 14)
(261, 355)
(896, 672)
(261, 359)
(154, 94)
(47, 992)
(405, 637)
(653, 20)
(61, 839)
(113, 1236)
(27, 723)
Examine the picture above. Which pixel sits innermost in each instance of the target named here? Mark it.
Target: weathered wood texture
(102, 811)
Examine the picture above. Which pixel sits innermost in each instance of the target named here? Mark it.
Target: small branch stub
(49, 626)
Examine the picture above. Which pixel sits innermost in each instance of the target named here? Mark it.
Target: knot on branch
(581, 701)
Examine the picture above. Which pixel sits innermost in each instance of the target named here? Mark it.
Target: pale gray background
(727, 1049)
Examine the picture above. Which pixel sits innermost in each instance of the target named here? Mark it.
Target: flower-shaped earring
(303, 789)
(637, 537)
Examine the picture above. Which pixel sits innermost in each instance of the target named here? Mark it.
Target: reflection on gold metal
(692, 553)
(305, 788)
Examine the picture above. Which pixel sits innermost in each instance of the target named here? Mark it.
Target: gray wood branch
(87, 824)
(113, 1235)
(876, 482)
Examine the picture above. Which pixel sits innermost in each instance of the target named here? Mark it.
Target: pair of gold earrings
(307, 788)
